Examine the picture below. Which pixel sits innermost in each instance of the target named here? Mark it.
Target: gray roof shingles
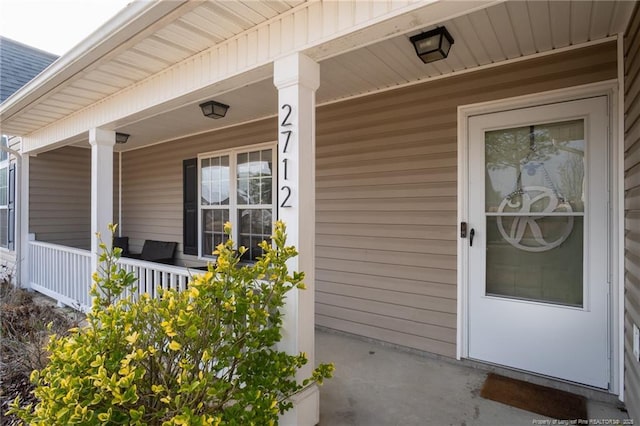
(19, 64)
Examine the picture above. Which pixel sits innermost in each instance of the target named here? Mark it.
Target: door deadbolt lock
(463, 232)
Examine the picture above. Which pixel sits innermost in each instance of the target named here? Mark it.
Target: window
(7, 196)
(4, 204)
(236, 186)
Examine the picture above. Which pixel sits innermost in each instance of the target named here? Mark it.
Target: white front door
(538, 256)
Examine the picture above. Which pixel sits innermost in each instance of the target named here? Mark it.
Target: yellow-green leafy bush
(203, 356)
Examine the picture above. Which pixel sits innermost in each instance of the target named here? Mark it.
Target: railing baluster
(152, 276)
(172, 281)
(60, 272)
(64, 273)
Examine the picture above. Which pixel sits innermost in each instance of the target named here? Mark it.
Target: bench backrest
(158, 251)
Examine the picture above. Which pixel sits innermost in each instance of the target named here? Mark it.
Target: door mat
(538, 399)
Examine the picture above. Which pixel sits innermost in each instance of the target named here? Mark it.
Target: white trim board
(609, 88)
(617, 200)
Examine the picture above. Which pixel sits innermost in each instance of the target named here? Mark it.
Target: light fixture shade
(432, 45)
(121, 137)
(214, 109)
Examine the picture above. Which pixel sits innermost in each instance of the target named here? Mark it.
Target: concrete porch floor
(378, 385)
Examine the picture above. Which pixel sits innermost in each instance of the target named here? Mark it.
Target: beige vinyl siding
(152, 182)
(386, 195)
(60, 197)
(632, 210)
(386, 198)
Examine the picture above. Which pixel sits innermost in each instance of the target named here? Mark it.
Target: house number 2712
(285, 138)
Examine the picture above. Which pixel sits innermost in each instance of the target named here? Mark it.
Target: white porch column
(102, 142)
(22, 258)
(297, 77)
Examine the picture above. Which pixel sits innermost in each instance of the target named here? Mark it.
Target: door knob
(471, 234)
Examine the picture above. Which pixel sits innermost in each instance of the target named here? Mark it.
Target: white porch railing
(152, 276)
(64, 274)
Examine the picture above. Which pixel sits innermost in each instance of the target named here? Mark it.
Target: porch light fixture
(122, 137)
(432, 45)
(213, 109)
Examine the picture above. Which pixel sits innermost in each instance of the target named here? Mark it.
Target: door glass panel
(553, 275)
(534, 204)
(548, 155)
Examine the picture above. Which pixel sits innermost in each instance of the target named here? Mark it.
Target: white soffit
(205, 24)
(508, 30)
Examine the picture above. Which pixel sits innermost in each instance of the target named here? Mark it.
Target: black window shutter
(11, 208)
(190, 206)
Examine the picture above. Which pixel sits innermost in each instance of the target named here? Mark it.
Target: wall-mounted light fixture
(432, 45)
(213, 109)
(121, 137)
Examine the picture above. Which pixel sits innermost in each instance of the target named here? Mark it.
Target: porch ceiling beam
(319, 29)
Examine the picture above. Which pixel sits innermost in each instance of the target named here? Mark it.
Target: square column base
(306, 409)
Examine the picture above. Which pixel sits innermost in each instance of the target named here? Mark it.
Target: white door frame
(616, 160)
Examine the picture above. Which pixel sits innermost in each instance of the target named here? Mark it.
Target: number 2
(285, 121)
(286, 199)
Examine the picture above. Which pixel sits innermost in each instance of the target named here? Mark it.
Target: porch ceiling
(182, 29)
(503, 31)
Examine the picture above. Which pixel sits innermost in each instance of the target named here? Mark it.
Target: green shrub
(203, 356)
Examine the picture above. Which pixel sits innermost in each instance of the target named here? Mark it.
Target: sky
(55, 26)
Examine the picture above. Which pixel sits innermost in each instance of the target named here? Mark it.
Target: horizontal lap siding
(152, 181)
(60, 197)
(632, 211)
(386, 198)
(386, 195)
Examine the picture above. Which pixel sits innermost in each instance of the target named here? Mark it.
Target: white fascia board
(133, 19)
(249, 57)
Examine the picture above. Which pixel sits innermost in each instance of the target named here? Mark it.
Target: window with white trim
(4, 194)
(237, 186)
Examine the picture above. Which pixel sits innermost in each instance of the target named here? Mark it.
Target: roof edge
(134, 18)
